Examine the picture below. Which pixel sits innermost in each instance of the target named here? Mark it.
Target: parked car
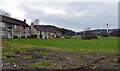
(62, 37)
(68, 37)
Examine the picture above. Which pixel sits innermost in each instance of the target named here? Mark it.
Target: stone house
(13, 28)
(44, 32)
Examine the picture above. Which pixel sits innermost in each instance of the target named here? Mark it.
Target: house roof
(12, 20)
(46, 28)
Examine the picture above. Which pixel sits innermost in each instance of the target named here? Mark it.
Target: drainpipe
(12, 31)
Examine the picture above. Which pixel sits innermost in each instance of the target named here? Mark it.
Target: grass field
(104, 44)
(60, 53)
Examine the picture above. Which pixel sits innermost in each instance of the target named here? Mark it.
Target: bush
(104, 34)
(115, 33)
(89, 35)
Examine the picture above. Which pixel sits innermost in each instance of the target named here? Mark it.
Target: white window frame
(2, 32)
(15, 26)
(28, 33)
(28, 28)
(2, 24)
(21, 27)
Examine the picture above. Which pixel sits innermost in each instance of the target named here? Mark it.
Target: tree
(87, 29)
(4, 13)
(88, 34)
(35, 22)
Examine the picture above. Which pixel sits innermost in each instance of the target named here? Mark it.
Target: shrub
(115, 33)
(87, 35)
(104, 34)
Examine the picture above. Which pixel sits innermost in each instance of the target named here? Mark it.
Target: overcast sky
(71, 15)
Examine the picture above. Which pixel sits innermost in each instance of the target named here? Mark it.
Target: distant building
(13, 28)
(44, 32)
(98, 31)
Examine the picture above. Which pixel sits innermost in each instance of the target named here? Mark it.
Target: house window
(2, 32)
(28, 28)
(17, 33)
(2, 24)
(25, 33)
(28, 34)
(15, 26)
(21, 27)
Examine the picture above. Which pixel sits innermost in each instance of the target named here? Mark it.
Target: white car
(62, 37)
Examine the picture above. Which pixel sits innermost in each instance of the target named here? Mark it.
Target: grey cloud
(96, 15)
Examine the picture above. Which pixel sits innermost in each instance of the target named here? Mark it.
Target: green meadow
(100, 45)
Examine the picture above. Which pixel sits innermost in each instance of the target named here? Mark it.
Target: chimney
(32, 24)
(107, 27)
(25, 20)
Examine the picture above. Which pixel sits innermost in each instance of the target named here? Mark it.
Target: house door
(44, 36)
(18, 34)
(25, 35)
(38, 36)
(47, 36)
(9, 34)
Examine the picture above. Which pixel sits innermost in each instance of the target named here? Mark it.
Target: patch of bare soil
(46, 59)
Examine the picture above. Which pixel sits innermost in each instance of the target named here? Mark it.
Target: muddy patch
(47, 59)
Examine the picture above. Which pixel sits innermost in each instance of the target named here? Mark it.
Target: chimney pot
(25, 20)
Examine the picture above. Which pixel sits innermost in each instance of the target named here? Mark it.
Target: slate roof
(46, 28)
(12, 20)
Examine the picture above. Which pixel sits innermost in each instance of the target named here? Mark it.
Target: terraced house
(44, 32)
(13, 28)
